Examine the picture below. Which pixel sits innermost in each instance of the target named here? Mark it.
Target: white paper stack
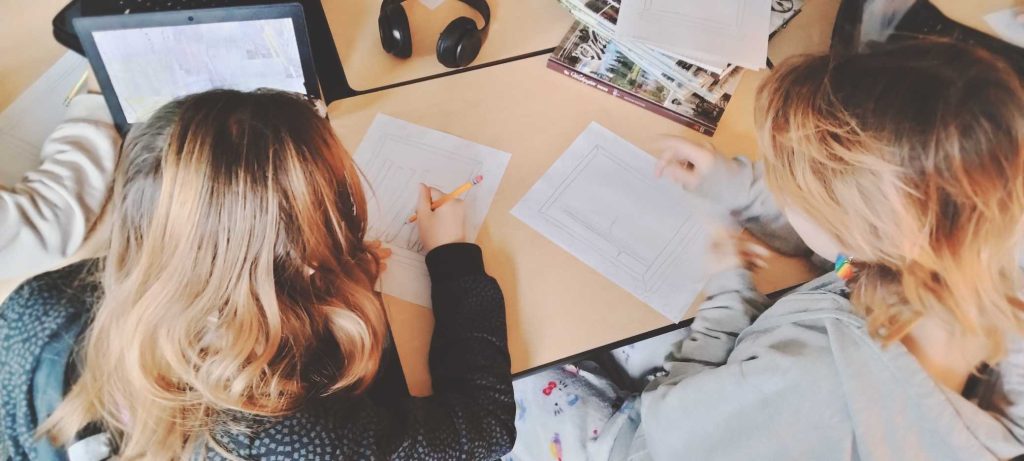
(735, 31)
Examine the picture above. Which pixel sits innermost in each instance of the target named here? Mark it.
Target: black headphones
(458, 45)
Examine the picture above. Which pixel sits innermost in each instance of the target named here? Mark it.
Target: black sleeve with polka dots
(471, 414)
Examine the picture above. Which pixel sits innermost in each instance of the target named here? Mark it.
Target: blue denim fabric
(48, 384)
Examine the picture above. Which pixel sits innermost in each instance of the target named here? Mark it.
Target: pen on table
(77, 88)
(452, 196)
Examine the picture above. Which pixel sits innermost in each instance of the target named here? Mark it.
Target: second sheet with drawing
(395, 157)
(601, 202)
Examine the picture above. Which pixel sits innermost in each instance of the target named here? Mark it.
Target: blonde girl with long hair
(234, 316)
(905, 166)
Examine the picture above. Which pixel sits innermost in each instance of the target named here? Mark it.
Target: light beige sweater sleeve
(46, 216)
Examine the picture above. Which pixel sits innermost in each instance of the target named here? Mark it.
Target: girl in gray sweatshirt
(904, 164)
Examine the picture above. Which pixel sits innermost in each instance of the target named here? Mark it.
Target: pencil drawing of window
(634, 236)
(393, 205)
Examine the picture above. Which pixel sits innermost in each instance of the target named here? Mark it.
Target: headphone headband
(480, 6)
(483, 8)
(457, 46)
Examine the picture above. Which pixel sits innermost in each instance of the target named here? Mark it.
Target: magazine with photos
(596, 60)
(602, 15)
(692, 93)
(673, 71)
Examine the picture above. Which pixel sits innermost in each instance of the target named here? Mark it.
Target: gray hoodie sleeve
(738, 185)
(731, 305)
(711, 406)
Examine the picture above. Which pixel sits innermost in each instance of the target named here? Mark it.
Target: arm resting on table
(471, 414)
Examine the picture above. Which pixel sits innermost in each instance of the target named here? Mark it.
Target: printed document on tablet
(151, 66)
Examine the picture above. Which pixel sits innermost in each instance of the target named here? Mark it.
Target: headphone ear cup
(395, 37)
(459, 43)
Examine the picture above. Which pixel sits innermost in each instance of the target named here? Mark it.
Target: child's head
(237, 280)
(909, 159)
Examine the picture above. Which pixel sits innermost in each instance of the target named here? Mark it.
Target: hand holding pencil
(440, 225)
(455, 194)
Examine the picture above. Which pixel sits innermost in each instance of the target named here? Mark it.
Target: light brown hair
(910, 156)
(237, 283)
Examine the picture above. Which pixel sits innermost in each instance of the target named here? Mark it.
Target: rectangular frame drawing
(648, 272)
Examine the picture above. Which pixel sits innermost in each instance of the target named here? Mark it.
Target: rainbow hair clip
(844, 267)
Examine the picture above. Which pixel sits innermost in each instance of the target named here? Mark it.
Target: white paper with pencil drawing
(395, 157)
(734, 30)
(601, 202)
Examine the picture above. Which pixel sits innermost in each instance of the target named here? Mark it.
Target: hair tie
(844, 267)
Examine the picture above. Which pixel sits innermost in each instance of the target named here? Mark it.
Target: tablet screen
(151, 66)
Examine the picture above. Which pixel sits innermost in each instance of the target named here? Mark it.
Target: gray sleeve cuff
(728, 182)
(731, 280)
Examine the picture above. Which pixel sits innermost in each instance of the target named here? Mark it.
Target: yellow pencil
(77, 88)
(452, 196)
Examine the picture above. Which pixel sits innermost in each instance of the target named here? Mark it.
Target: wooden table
(27, 47)
(557, 305)
(518, 27)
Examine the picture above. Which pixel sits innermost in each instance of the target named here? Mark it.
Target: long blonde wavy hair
(237, 283)
(912, 157)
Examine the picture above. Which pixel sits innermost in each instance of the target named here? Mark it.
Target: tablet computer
(144, 60)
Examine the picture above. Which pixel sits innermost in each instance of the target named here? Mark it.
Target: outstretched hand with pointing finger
(444, 225)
